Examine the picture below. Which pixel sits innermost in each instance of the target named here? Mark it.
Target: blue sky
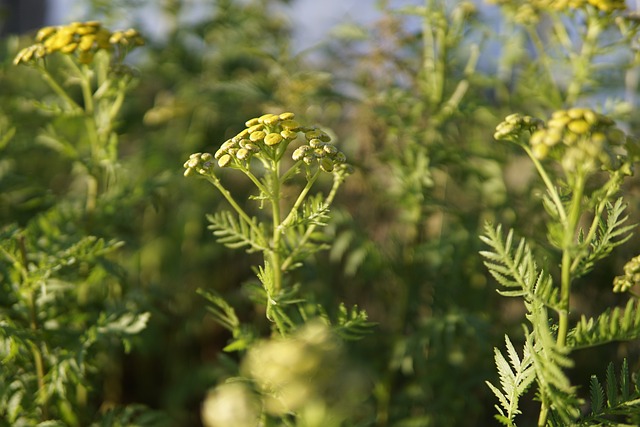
(313, 18)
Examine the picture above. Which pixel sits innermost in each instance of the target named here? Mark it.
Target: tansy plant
(582, 158)
(90, 57)
(62, 298)
(277, 154)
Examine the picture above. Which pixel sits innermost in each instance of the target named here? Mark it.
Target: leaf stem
(227, 195)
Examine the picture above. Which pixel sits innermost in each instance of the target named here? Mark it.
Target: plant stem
(59, 90)
(33, 324)
(334, 189)
(227, 195)
(547, 182)
(277, 231)
(567, 249)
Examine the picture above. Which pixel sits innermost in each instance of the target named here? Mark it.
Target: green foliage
(515, 378)
(355, 301)
(615, 404)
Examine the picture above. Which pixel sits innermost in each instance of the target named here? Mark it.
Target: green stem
(299, 200)
(227, 195)
(547, 182)
(307, 235)
(567, 250)
(53, 84)
(277, 230)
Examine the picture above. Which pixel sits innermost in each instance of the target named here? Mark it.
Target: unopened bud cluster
(268, 136)
(582, 138)
(198, 162)
(514, 125)
(83, 39)
(631, 276)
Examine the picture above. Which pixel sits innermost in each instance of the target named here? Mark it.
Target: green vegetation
(426, 222)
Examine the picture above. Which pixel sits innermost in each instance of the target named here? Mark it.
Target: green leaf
(619, 324)
(235, 232)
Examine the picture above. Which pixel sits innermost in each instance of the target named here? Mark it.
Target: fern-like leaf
(516, 376)
(515, 268)
(237, 232)
(614, 404)
(314, 211)
(351, 324)
(611, 233)
(597, 395)
(619, 324)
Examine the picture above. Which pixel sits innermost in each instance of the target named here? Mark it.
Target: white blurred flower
(231, 404)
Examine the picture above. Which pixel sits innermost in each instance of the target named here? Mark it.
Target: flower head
(581, 138)
(269, 135)
(83, 39)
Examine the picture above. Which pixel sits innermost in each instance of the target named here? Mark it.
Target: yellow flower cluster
(588, 139)
(268, 136)
(81, 38)
(603, 5)
(528, 12)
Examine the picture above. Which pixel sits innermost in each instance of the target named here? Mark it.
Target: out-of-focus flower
(231, 404)
(83, 39)
(630, 278)
(579, 138)
(307, 370)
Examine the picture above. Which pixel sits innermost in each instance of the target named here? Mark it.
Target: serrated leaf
(235, 232)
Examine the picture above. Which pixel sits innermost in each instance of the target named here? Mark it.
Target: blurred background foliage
(413, 99)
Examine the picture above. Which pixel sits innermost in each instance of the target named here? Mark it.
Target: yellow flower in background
(81, 38)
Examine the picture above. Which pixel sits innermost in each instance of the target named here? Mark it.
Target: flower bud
(272, 139)
(224, 160)
(287, 116)
(257, 136)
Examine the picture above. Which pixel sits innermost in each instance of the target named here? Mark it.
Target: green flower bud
(243, 154)
(576, 113)
(251, 122)
(255, 128)
(252, 147)
(340, 157)
(330, 149)
(308, 158)
(257, 136)
(287, 116)
(578, 127)
(317, 134)
(290, 125)
(268, 119)
(188, 172)
(192, 163)
(316, 143)
(242, 134)
(299, 152)
(272, 139)
(224, 160)
(288, 135)
(326, 164)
